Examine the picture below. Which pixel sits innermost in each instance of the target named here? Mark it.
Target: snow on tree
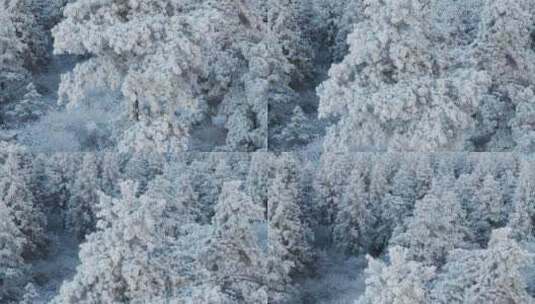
(482, 197)
(381, 175)
(157, 136)
(492, 275)
(299, 130)
(500, 279)
(143, 167)
(400, 281)
(54, 178)
(178, 190)
(522, 217)
(436, 228)
(28, 31)
(144, 249)
(506, 40)
(352, 229)
(13, 75)
(29, 107)
(424, 175)
(30, 294)
(265, 84)
(200, 173)
(173, 64)
(110, 172)
(12, 244)
(81, 207)
(390, 93)
(26, 213)
(330, 23)
(392, 210)
(233, 256)
(285, 20)
(331, 180)
(490, 204)
(504, 49)
(404, 181)
(288, 234)
(291, 56)
(258, 177)
(506, 174)
(23, 47)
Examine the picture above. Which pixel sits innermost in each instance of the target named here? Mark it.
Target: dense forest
(267, 151)
(262, 227)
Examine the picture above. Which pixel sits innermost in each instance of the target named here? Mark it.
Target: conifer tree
(82, 205)
(12, 267)
(233, 256)
(436, 227)
(400, 281)
(288, 234)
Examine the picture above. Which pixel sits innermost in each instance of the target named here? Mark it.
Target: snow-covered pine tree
(490, 208)
(205, 47)
(424, 175)
(12, 267)
(397, 205)
(330, 23)
(286, 20)
(26, 212)
(299, 130)
(390, 93)
(82, 204)
(436, 228)
(257, 181)
(110, 172)
(143, 167)
(55, 177)
(381, 175)
(288, 234)
(522, 217)
(144, 251)
(352, 229)
(179, 191)
(23, 47)
(477, 199)
(233, 257)
(13, 75)
(331, 180)
(500, 278)
(400, 281)
(492, 275)
(404, 183)
(29, 107)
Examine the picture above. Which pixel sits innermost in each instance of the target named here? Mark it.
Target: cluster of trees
(156, 228)
(249, 75)
(438, 228)
(23, 48)
(177, 67)
(244, 70)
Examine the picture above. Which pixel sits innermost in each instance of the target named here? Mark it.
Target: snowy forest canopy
(267, 228)
(168, 76)
(267, 151)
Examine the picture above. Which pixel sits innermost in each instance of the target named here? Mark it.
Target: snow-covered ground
(59, 265)
(58, 130)
(338, 279)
